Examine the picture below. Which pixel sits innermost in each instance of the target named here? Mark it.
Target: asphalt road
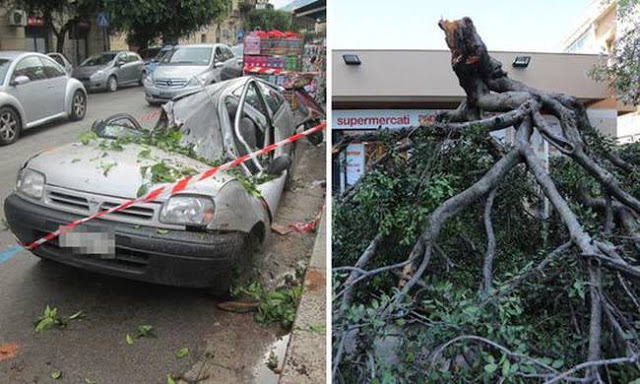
(94, 349)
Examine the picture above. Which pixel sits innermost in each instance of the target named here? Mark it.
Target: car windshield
(4, 67)
(187, 56)
(198, 135)
(102, 59)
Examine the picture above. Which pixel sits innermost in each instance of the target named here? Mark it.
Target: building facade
(596, 32)
(407, 88)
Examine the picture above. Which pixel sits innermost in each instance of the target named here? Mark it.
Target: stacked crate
(273, 50)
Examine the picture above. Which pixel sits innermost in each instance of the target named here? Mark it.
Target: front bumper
(155, 94)
(178, 258)
(94, 85)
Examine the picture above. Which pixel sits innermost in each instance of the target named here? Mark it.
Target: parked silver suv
(34, 90)
(187, 67)
(110, 70)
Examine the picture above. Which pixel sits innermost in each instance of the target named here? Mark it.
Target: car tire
(221, 283)
(78, 105)
(112, 84)
(10, 125)
(153, 103)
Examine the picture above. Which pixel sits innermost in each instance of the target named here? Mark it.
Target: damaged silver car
(193, 238)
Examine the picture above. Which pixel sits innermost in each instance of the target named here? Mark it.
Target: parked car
(188, 67)
(193, 238)
(151, 64)
(35, 90)
(62, 60)
(110, 70)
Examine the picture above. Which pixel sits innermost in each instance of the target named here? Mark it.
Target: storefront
(36, 35)
(390, 89)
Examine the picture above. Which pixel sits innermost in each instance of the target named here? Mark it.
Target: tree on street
(448, 266)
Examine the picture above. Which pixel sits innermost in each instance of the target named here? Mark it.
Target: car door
(252, 109)
(57, 83)
(121, 71)
(281, 114)
(35, 95)
(136, 66)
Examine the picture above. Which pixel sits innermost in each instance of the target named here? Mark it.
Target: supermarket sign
(381, 118)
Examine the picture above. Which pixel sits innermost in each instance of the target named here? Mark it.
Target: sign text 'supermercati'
(381, 118)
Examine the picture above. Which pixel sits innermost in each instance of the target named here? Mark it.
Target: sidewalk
(305, 361)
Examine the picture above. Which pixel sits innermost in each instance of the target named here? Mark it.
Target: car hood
(88, 71)
(178, 71)
(117, 173)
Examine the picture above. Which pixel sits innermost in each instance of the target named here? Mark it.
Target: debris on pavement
(8, 351)
(238, 306)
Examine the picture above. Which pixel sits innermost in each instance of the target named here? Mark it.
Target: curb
(305, 359)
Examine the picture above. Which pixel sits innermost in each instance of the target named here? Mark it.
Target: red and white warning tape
(275, 71)
(179, 186)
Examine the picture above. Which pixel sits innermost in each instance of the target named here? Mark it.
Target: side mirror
(218, 64)
(279, 165)
(19, 80)
(119, 63)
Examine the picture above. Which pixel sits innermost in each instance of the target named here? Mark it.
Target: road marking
(7, 254)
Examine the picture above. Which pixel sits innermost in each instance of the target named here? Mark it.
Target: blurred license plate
(166, 95)
(88, 241)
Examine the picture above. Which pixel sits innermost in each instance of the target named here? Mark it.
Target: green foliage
(544, 319)
(268, 19)
(276, 306)
(169, 20)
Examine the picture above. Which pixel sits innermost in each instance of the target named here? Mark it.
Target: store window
(36, 39)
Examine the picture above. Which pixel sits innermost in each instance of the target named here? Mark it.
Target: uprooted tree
(445, 268)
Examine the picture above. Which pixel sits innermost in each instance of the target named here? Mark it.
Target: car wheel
(10, 125)
(112, 84)
(78, 106)
(221, 283)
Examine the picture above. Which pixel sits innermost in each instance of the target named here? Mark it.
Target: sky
(509, 25)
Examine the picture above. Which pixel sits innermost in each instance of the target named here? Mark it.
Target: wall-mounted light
(351, 59)
(521, 61)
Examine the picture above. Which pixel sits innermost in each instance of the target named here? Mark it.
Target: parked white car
(34, 89)
(185, 68)
(194, 238)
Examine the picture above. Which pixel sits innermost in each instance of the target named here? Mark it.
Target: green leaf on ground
(170, 380)
(318, 328)
(145, 330)
(77, 315)
(89, 381)
(55, 375)
(183, 352)
(129, 339)
(162, 231)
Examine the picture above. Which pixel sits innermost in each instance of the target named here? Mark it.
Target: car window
(272, 96)
(51, 68)
(219, 56)
(228, 53)
(58, 59)
(187, 56)
(30, 67)
(131, 57)
(4, 67)
(252, 99)
(101, 59)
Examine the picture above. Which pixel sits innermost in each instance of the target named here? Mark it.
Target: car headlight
(147, 80)
(31, 183)
(195, 80)
(187, 210)
(98, 75)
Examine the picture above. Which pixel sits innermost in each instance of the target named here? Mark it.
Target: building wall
(11, 38)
